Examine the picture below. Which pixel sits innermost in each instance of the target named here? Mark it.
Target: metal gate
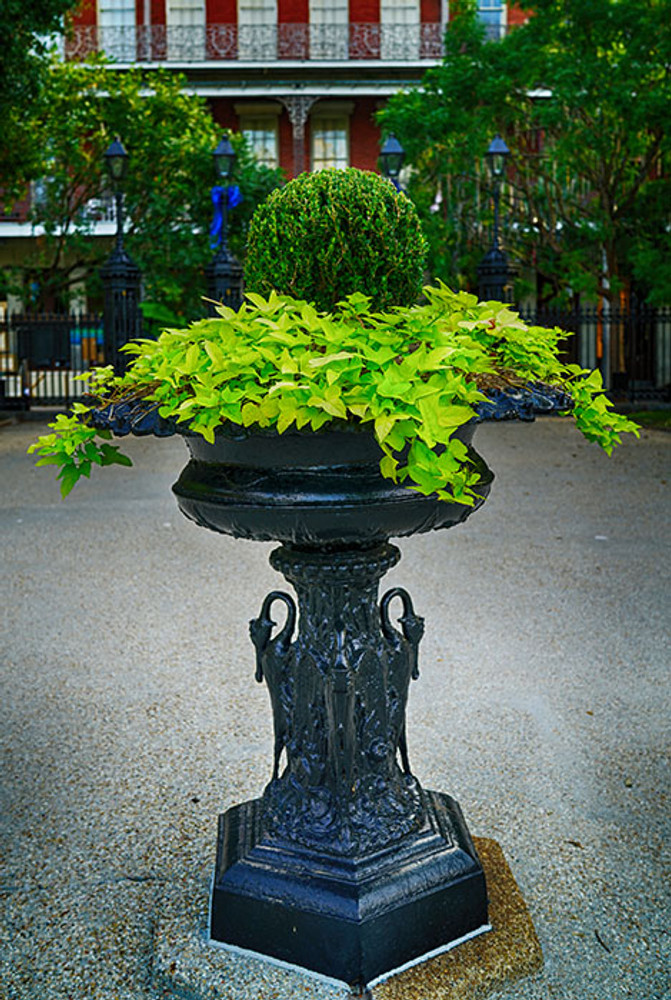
(631, 347)
(40, 355)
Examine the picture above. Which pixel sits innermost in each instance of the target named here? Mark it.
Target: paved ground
(130, 717)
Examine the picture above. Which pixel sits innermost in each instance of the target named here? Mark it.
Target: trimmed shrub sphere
(327, 234)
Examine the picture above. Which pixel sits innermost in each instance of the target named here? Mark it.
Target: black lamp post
(392, 155)
(120, 275)
(496, 157)
(495, 273)
(224, 273)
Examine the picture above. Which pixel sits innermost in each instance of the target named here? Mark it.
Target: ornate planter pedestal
(346, 866)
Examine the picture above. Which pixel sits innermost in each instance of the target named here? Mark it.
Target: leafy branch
(74, 448)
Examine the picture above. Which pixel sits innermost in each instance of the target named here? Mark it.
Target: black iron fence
(40, 354)
(631, 347)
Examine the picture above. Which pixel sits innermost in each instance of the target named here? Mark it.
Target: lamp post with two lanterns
(120, 275)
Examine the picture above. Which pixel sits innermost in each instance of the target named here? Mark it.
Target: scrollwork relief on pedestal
(347, 777)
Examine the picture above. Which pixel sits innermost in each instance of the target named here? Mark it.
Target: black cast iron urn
(345, 866)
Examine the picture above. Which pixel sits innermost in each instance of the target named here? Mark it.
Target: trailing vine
(413, 374)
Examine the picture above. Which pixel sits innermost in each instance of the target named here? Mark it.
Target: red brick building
(301, 78)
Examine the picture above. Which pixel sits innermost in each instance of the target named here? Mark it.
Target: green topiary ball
(327, 234)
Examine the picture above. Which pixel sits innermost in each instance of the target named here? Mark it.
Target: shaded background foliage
(26, 27)
(169, 136)
(582, 95)
(581, 92)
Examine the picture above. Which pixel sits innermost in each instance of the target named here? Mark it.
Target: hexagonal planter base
(348, 918)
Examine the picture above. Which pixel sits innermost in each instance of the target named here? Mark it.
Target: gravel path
(130, 717)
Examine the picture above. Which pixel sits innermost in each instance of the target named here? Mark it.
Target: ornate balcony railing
(495, 31)
(232, 42)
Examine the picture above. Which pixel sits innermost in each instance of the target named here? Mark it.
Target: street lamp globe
(392, 155)
(116, 161)
(224, 159)
(496, 156)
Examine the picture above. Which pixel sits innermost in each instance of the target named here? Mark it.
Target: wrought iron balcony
(495, 30)
(243, 43)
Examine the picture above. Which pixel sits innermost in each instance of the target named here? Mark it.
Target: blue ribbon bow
(233, 199)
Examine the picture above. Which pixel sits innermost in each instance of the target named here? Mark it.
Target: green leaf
(191, 361)
(383, 426)
(440, 419)
(329, 359)
(389, 468)
(112, 456)
(68, 476)
(215, 353)
(287, 415)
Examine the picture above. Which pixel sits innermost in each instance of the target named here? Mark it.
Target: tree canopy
(169, 136)
(582, 95)
(26, 31)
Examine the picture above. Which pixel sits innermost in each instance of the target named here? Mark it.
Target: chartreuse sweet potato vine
(414, 374)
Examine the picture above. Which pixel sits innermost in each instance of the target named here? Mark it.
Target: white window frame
(329, 29)
(399, 29)
(494, 15)
(267, 115)
(326, 116)
(185, 30)
(117, 29)
(257, 30)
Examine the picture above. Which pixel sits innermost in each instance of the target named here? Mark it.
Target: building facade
(301, 79)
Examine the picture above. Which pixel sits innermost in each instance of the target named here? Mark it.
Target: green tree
(26, 29)
(169, 136)
(582, 94)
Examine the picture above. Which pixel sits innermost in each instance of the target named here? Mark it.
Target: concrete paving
(130, 718)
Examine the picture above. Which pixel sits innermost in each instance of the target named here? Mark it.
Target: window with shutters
(185, 29)
(399, 29)
(329, 29)
(257, 29)
(330, 145)
(116, 29)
